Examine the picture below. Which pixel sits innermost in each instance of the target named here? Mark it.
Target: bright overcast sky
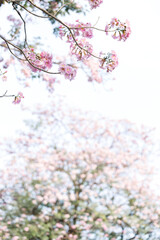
(136, 90)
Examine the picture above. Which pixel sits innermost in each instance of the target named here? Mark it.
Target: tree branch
(25, 32)
(4, 95)
(26, 58)
(65, 25)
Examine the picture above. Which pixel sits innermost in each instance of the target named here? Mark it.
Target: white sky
(135, 94)
(137, 86)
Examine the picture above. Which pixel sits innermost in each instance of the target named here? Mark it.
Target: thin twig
(93, 28)
(36, 15)
(96, 21)
(25, 32)
(4, 95)
(63, 5)
(11, 50)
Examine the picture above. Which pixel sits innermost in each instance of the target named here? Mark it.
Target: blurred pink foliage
(81, 175)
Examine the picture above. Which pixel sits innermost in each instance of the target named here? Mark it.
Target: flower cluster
(42, 60)
(110, 62)
(121, 30)
(68, 71)
(83, 50)
(84, 28)
(79, 47)
(18, 98)
(95, 3)
(80, 28)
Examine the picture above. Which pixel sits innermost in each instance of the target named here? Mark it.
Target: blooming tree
(76, 176)
(76, 34)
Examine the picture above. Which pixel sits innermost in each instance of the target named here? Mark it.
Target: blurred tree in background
(73, 175)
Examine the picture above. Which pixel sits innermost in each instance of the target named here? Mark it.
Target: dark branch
(25, 32)
(4, 95)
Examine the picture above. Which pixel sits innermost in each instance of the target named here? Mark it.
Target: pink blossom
(17, 98)
(26, 229)
(62, 68)
(127, 30)
(42, 60)
(59, 225)
(84, 52)
(74, 226)
(47, 59)
(121, 31)
(95, 3)
(4, 78)
(110, 62)
(83, 28)
(15, 238)
(68, 71)
(99, 220)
